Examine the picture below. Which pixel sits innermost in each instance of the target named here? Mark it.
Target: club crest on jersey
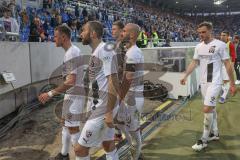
(212, 49)
(85, 140)
(107, 58)
(88, 134)
(95, 66)
(213, 99)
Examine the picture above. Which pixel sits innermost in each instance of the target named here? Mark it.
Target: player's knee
(208, 109)
(73, 130)
(108, 146)
(77, 150)
(225, 81)
(80, 150)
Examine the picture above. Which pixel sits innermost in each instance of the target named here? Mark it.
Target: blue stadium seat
(65, 17)
(50, 33)
(24, 34)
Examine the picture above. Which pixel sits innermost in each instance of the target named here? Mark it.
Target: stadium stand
(38, 24)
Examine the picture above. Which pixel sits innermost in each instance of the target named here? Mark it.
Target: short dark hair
(97, 27)
(119, 24)
(236, 37)
(226, 32)
(206, 24)
(64, 29)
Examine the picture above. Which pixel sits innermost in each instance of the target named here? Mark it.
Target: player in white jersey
(210, 54)
(131, 88)
(103, 78)
(122, 115)
(73, 103)
(225, 37)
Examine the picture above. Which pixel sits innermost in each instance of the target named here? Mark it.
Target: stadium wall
(32, 65)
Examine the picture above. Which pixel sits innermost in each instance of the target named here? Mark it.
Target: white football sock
(214, 124)
(66, 138)
(75, 137)
(208, 120)
(137, 143)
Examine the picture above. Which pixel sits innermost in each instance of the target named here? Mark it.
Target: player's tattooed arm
(113, 86)
(68, 83)
(128, 77)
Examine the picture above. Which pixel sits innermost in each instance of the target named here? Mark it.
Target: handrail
(9, 36)
(10, 33)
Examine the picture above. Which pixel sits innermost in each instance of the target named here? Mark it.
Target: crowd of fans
(37, 25)
(221, 23)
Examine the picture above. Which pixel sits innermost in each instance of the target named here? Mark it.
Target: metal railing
(9, 36)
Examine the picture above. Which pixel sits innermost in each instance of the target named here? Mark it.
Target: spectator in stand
(155, 38)
(37, 33)
(45, 4)
(167, 43)
(58, 18)
(48, 30)
(168, 25)
(49, 4)
(75, 33)
(142, 40)
(8, 22)
(25, 19)
(77, 11)
(84, 13)
(65, 16)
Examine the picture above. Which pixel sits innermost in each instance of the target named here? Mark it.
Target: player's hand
(233, 89)
(108, 119)
(183, 81)
(43, 98)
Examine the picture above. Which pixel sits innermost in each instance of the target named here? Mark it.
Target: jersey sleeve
(109, 62)
(196, 56)
(134, 61)
(232, 52)
(71, 62)
(223, 52)
(131, 62)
